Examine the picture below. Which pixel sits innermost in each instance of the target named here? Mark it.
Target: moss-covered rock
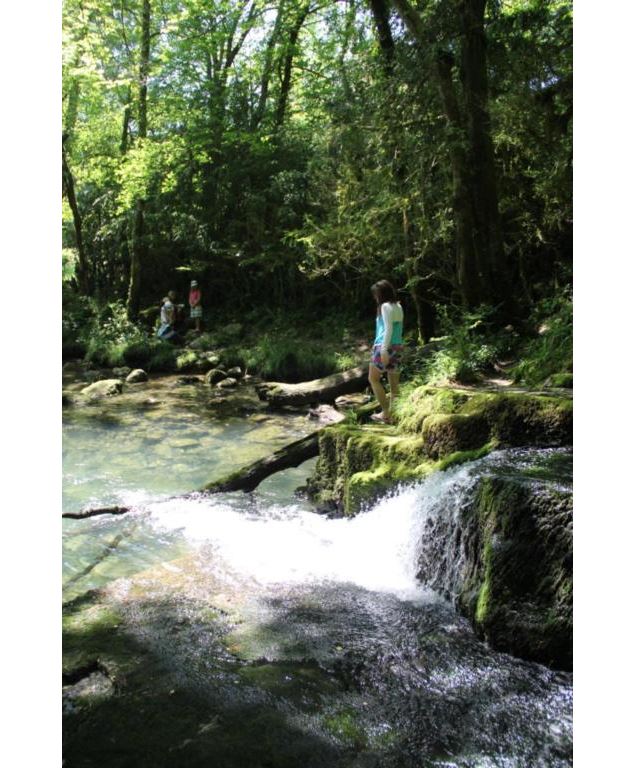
(187, 361)
(356, 463)
(444, 434)
(517, 580)
(563, 380)
(436, 427)
(512, 419)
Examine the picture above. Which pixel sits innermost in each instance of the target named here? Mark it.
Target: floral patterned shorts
(394, 358)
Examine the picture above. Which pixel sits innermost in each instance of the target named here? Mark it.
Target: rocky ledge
(507, 562)
(435, 428)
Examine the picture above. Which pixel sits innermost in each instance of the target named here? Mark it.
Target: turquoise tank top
(380, 330)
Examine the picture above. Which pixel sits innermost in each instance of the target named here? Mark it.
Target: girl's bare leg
(374, 377)
(393, 380)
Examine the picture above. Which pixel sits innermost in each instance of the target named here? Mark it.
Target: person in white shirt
(387, 348)
(168, 316)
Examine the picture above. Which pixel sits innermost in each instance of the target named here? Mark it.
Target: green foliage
(286, 358)
(105, 336)
(472, 344)
(69, 261)
(551, 350)
(110, 334)
(77, 311)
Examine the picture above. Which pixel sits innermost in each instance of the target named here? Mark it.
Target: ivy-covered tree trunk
(380, 13)
(139, 244)
(493, 270)
(480, 264)
(82, 271)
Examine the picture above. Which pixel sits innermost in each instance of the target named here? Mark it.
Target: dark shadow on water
(347, 679)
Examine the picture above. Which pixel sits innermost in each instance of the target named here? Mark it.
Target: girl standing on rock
(386, 348)
(196, 310)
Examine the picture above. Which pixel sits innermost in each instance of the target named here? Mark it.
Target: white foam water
(286, 543)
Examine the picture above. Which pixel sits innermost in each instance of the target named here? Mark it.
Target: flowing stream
(330, 644)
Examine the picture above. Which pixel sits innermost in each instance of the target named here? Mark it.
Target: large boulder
(103, 388)
(215, 375)
(136, 376)
(507, 560)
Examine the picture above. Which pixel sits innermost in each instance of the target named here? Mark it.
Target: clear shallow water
(329, 625)
(157, 440)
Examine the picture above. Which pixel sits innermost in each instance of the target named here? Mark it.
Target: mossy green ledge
(436, 427)
(517, 586)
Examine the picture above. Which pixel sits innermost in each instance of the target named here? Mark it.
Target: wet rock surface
(215, 375)
(227, 383)
(217, 672)
(505, 556)
(103, 388)
(136, 376)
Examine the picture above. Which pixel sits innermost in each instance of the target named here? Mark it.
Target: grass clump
(550, 352)
(288, 357)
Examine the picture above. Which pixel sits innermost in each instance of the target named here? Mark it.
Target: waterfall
(380, 549)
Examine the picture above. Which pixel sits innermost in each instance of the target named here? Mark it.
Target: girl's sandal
(380, 418)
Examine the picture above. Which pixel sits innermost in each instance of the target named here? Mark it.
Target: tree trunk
(70, 118)
(139, 244)
(379, 10)
(285, 85)
(265, 79)
(487, 229)
(82, 271)
(127, 114)
(250, 477)
(317, 391)
(481, 268)
(467, 268)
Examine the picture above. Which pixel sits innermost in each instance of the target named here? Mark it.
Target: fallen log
(250, 477)
(101, 511)
(317, 391)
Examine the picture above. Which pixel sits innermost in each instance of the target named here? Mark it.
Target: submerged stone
(227, 383)
(104, 388)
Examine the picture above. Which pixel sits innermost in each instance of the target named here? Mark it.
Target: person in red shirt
(196, 310)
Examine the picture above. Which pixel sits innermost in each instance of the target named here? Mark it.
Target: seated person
(168, 318)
